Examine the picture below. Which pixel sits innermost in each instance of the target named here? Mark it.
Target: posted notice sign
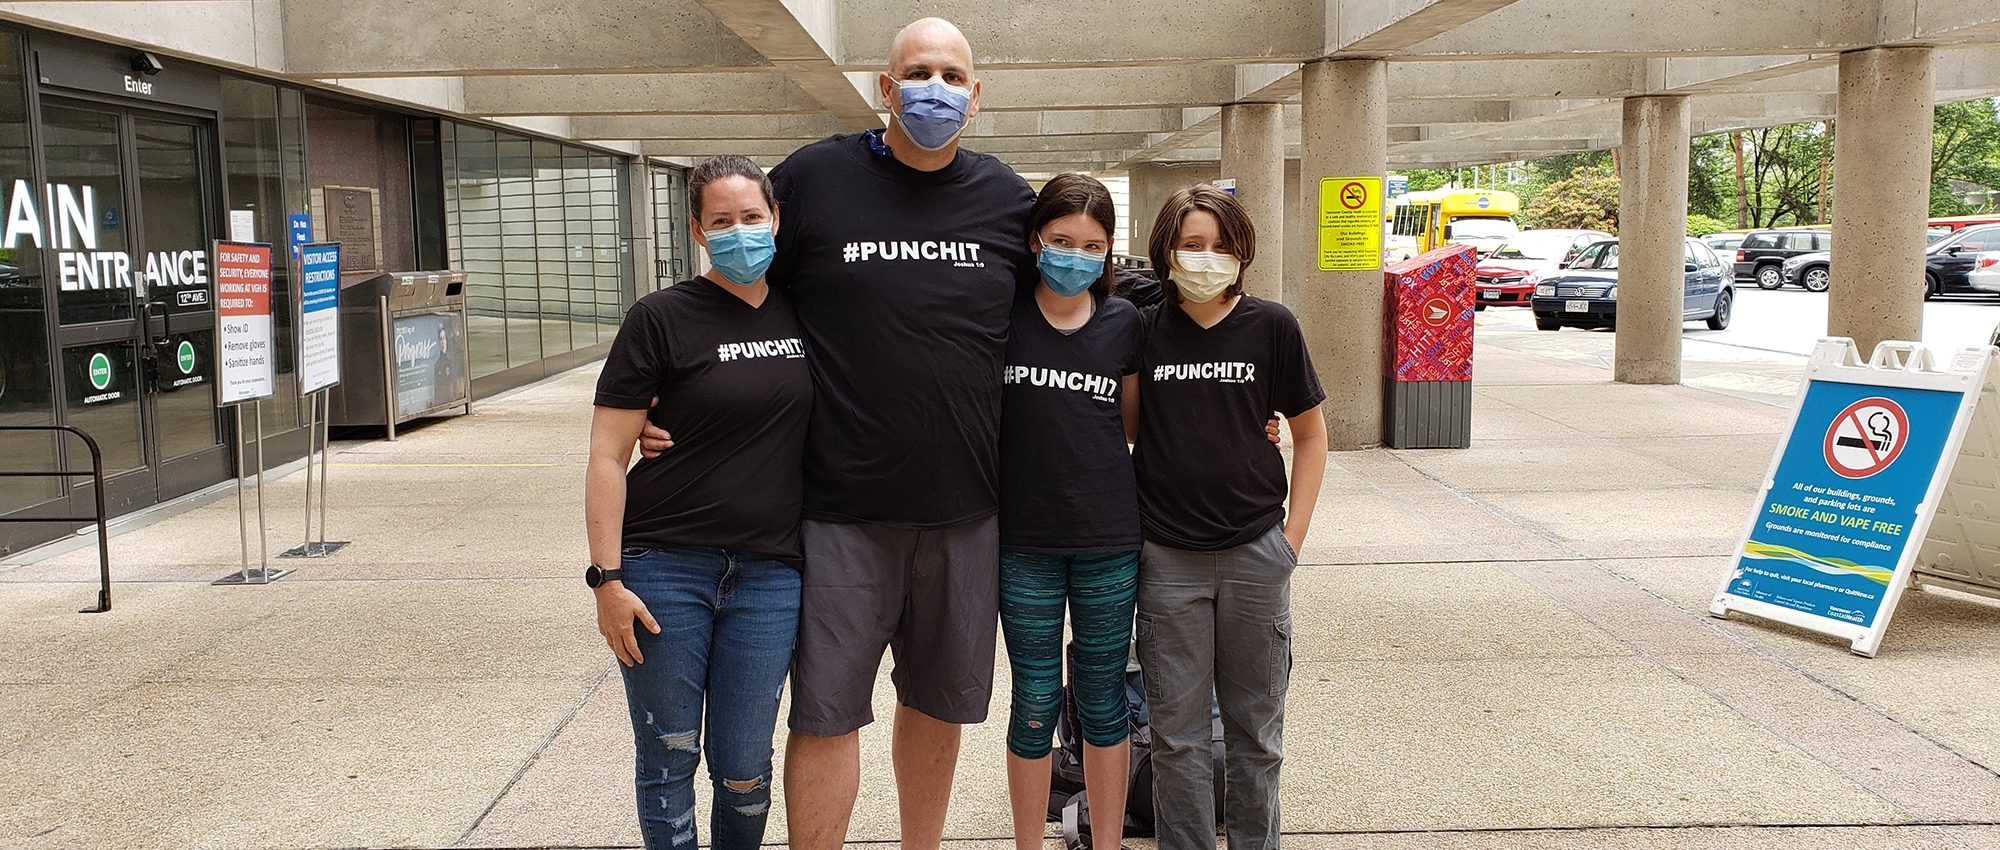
(1350, 224)
(243, 300)
(319, 316)
(1836, 531)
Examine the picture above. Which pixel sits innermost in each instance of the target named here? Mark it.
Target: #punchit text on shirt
(959, 254)
(1219, 371)
(790, 349)
(1100, 387)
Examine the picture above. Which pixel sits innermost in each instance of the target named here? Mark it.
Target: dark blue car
(1584, 294)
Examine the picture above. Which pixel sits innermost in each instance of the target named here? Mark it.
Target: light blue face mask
(1069, 271)
(742, 252)
(932, 112)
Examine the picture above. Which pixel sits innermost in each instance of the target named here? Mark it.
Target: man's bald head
(930, 41)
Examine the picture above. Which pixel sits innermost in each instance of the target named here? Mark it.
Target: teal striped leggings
(1101, 591)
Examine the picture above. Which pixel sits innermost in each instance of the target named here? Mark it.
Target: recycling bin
(402, 348)
(1427, 373)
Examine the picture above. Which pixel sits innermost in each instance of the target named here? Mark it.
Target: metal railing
(96, 474)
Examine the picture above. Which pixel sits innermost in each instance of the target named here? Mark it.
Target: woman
(1069, 511)
(700, 545)
(1215, 622)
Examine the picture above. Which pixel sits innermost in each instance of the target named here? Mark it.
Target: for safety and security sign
(243, 300)
(1350, 224)
(1837, 528)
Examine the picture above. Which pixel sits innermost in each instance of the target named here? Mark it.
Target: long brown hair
(1239, 236)
(1070, 193)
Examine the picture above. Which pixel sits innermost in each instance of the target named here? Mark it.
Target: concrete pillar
(1346, 109)
(1652, 232)
(1150, 184)
(1297, 230)
(1881, 195)
(1253, 154)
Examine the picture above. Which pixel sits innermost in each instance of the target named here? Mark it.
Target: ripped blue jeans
(727, 625)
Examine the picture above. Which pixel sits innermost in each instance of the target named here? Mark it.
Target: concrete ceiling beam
(243, 33)
(1554, 28)
(397, 38)
(1074, 122)
(1385, 29)
(764, 93)
(1106, 88)
(1099, 35)
(804, 127)
(797, 37)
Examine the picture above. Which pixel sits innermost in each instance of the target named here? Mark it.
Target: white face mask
(1202, 275)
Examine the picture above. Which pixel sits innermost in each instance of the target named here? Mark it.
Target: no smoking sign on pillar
(1350, 224)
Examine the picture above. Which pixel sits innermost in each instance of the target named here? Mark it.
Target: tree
(1587, 199)
(1782, 173)
(1965, 145)
(1709, 169)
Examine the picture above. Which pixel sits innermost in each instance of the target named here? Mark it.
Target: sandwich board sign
(1841, 525)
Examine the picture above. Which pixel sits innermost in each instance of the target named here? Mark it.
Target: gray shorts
(931, 597)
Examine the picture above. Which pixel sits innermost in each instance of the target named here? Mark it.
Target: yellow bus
(1422, 221)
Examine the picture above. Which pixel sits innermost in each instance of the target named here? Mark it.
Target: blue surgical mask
(932, 112)
(742, 252)
(1069, 271)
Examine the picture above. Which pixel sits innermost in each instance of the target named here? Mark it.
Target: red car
(1507, 276)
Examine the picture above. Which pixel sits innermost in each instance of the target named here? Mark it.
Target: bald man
(902, 253)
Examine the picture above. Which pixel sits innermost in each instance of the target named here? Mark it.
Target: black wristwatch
(596, 576)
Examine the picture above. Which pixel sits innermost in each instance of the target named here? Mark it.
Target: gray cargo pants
(1217, 623)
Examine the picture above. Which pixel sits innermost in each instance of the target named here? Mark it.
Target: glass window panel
(27, 386)
(86, 177)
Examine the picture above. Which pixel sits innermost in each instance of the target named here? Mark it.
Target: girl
(1069, 512)
(701, 544)
(1214, 599)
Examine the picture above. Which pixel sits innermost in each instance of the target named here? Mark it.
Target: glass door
(128, 222)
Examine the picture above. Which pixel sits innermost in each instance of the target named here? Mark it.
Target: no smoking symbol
(1866, 437)
(1353, 195)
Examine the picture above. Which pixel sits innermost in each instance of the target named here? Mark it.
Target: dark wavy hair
(1068, 194)
(1239, 236)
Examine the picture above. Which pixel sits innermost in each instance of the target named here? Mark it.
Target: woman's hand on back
(617, 608)
(653, 439)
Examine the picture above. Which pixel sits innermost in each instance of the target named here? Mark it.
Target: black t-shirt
(1209, 477)
(1066, 482)
(904, 281)
(736, 395)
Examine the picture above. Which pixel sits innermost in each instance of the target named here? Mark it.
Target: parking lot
(1758, 357)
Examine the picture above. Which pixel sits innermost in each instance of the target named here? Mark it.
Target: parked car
(1948, 261)
(1947, 264)
(1761, 257)
(1725, 242)
(1507, 276)
(1585, 295)
(1808, 270)
(1985, 274)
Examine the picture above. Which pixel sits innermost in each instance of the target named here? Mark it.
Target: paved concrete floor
(1501, 647)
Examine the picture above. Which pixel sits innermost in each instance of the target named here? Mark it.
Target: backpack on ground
(1069, 802)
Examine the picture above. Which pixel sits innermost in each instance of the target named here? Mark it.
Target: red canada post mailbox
(1427, 373)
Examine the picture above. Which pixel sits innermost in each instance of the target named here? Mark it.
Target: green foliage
(1703, 225)
(1711, 180)
(1426, 179)
(1965, 145)
(1586, 199)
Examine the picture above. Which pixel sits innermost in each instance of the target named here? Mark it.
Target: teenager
(1214, 595)
(1069, 510)
(700, 545)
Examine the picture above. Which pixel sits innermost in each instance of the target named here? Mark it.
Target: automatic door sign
(1866, 437)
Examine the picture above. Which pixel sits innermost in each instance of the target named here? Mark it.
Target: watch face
(594, 576)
